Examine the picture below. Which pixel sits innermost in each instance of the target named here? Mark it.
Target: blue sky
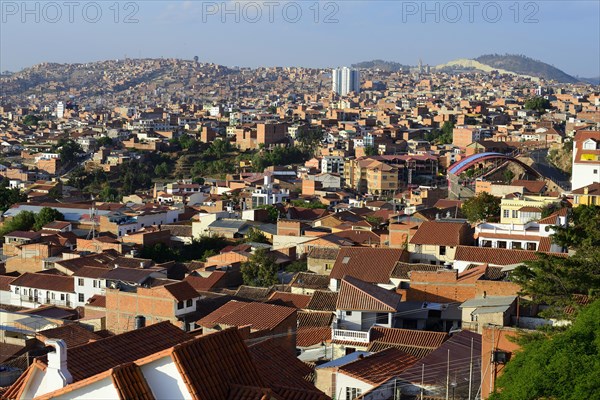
(565, 34)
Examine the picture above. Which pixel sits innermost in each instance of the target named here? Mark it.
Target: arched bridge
(463, 165)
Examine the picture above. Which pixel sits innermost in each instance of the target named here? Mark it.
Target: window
(506, 213)
(531, 246)
(442, 250)
(96, 283)
(381, 318)
(348, 313)
(350, 350)
(418, 248)
(515, 213)
(517, 246)
(80, 297)
(16, 290)
(62, 297)
(352, 393)
(328, 266)
(188, 303)
(80, 282)
(501, 244)
(180, 305)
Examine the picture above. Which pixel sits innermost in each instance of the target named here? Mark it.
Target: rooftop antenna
(92, 232)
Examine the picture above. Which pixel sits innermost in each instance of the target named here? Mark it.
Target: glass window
(80, 297)
(352, 393)
(442, 250)
(381, 318)
(180, 305)
(506, 213)
(80, 282)
(348, 313)
(188, 303)
(515, 214)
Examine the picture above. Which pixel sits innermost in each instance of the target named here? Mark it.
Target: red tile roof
(259, 316)
(131, 383)
(496, 256)
(181, 291)
(46, 282)
(424, 339)
(439, 233)
(379, 367)
(363, 296)
(95, 357)
(365, 263)
(290, 299)
(323, 300)
(72, 334)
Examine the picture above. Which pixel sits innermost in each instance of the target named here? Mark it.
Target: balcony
(351, 336)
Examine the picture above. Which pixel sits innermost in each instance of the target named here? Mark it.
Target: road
(543, 166)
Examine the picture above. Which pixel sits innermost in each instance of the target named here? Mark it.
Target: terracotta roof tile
(131, 383)
(368, 264)
(212, 363)
(46, 282)
(290, 299)
(409, 337)
(181, 291)
(259, 316)
(314, 319)
(253, 293)
(308, 280)
(417, 352)
(323, 253)
(72, 334)
(238, 392)
(359, 295)
(323, 300)
(440, 233)
(402, 270)
(95, 357)
(279, 367)
(379, 367)
(5, 282)
(496, 256)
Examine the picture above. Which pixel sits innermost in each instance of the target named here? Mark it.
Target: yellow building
(519, 209)
(587, 196)
(367, 175)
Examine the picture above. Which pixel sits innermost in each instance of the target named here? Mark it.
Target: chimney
(57, 375)
(586, 190)
(116, 265)
(142, 264)
(140, 321)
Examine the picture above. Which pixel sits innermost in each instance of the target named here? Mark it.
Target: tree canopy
(564, 365)
(45, 216)
(556, 281)
(537, 103)
(260, 269)
(255, 236)
(483, 207)
(8, 197)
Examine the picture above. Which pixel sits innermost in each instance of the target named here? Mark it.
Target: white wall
(164, 379)
(88, 288)
(583, 175)
(344, 381)
(102, 389)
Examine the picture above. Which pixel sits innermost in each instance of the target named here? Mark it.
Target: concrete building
(345, 80)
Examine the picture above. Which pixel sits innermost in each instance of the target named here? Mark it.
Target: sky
(311, 33)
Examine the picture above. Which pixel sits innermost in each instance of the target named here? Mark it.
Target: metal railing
(353, 336)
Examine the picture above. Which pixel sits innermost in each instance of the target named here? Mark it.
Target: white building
(586, 159)
(33, 290)
(60, 110)
(268, 195)
(345, 80)
(332, 164)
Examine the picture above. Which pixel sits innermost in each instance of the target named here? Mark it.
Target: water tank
(140, 321)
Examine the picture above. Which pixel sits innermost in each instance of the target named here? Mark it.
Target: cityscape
(178, 228)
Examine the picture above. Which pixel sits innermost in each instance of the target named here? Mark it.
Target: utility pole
(422, 380)
(448, 377)
(471, 370)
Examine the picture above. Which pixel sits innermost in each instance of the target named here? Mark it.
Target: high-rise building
(60, 109)
(345, 80)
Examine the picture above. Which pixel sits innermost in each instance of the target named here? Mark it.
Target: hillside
(390, 66)
(523, 65)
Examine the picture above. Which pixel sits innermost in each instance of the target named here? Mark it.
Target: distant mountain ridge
(524, 65)
(390, 66)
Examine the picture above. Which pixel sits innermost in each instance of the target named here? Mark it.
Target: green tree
(30, 120)
(108, 193)
(273, 212)
(23, 221)
(297, 266)
(159, 253)
(8, 197)
(308, 204)
(556, 281)
(447, 135)
(104, 141)
(537, 103)
(45, 216)
(255, 236)
(564, 365)
(162, 170)
(370, 151)
(376, 221)
(483, 207)
(508, 176)
(260, 269)
(69, 151)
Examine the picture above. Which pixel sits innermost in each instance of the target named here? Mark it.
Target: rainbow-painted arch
(461, 166)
